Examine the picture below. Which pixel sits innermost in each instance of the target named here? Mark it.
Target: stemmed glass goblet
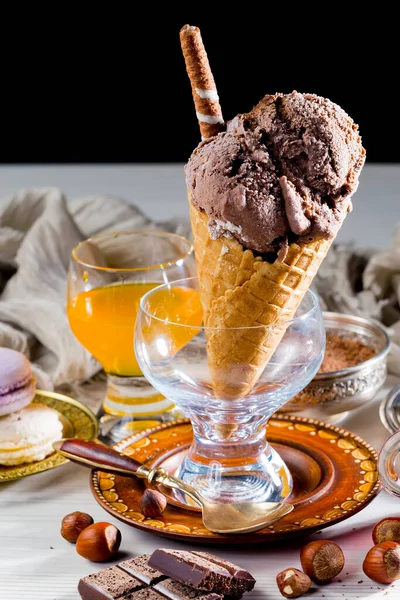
(230, 458)
(108, 275)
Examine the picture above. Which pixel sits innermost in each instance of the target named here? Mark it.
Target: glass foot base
(269, 480)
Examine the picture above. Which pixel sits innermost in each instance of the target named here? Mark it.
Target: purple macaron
(17, 384)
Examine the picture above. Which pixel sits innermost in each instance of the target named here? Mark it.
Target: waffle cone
(239, 290)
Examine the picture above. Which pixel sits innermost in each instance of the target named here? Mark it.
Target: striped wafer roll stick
(205, 96)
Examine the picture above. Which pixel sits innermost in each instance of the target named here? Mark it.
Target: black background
(110, 85)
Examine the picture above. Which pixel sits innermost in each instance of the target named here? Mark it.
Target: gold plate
(78, 421)
(334, 473)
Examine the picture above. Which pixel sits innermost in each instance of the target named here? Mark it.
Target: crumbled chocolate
(344, 352)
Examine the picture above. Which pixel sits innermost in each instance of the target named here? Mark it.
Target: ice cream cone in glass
(108, 275)
(230, 458)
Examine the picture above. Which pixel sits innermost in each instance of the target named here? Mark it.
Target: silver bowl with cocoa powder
(353, 369)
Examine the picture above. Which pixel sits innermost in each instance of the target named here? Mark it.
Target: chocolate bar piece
(134, 579)
(139, 568)
(203, 571)
(241, 578)
(147, 593)
(108, 584)
(177, 591)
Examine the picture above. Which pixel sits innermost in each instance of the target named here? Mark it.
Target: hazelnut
(322, 560)
(73, 524)
(98, 542)
(152, 503)
(292, 583)
(382, 563)
(387, 530)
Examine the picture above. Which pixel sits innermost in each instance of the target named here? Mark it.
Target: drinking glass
(230, 458)
(108, 275)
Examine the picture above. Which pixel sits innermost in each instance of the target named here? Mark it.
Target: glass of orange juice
(107, 277)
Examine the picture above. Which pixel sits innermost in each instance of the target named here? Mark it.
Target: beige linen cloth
(38, 230)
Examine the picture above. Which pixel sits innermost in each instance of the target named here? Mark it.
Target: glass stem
(227, 445)
(230, 459)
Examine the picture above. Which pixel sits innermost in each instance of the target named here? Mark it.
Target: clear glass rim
(153, 232)
(170, 284)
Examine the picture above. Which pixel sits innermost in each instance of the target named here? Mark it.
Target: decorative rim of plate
(83, 421)
(350, 443)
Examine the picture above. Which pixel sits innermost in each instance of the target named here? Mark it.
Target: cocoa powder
(342, 353)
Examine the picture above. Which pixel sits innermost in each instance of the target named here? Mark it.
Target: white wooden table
(36, 563)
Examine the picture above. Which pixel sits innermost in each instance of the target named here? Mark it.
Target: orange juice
(103, 320)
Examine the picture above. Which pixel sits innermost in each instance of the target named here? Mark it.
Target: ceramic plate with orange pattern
(334, 473)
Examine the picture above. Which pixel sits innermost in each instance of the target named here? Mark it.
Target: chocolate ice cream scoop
(283, 172)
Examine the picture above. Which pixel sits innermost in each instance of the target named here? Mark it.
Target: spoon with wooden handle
(240, 517)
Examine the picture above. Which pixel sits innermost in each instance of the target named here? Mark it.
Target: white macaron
(28, 435)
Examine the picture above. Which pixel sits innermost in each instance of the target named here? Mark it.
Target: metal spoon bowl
(241, 517)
